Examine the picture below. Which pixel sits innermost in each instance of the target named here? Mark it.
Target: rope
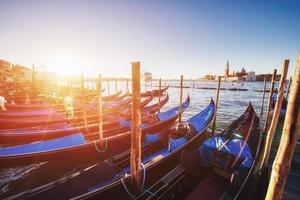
(142, 186)
(143, 181)
(105, 147)
(125, 187)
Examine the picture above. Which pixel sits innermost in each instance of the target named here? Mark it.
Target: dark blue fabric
(152, 137)
(44, 146)
(176, 143)
(201, 120)
(233, 147)
(172, 112)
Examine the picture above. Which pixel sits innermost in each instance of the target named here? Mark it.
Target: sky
(168, 37)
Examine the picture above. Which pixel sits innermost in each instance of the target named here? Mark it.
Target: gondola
(283, 106)
(46, 132)
(222, 167)
(110, 180)
(155, 93)
(109, 109)
(39, 97)
(83, 146)
(43, 106)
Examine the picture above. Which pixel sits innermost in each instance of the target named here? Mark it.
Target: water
(231, 105)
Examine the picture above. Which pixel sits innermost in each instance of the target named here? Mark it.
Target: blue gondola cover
(233, 147)
(44, 146)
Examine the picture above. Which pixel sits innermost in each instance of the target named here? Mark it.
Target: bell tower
(226, 73)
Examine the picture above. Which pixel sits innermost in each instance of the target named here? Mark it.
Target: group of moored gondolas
(175, 156)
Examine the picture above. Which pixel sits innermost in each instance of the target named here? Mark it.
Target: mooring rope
(142, 186)
(126, 189)
(143, 181)
(105, 147)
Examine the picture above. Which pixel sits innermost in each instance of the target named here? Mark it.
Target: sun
(66, 64)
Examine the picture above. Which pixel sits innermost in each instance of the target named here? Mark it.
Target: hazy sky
(168, 37)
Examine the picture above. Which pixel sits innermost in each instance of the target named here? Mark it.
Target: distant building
(261, 77)
(5, 71)
(226, 72)
(251, 76)
(208, 77)
(147, 76)
(21, 73)
(243, 75)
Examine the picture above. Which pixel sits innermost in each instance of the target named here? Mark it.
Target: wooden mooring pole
(289, 138)
(116, 86)
(34, 84)
(263, 97)
(276, 113)
(108, 87)
(270, 101)
(135, 156)
(159, 88)
(193, 84)
(288, 88)
(216, 108)
(99, 98)
(180, 99)
(84, 104)
(127, 87)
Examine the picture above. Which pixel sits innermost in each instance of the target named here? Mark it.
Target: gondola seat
(211, 187)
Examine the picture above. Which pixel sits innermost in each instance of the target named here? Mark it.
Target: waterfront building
(147, 76)
(5, 71)
(251, 76)
(21, 73)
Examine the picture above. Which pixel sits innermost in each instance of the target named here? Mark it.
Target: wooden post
(290, 134)
(145, 85)
(159, 87)
(34, 85)
(84, 104)
(193, 84)
(180, 99)
(263, 97)
(288, 88)
(216, 109)
(275, 117)
(107, 86)
(127, 87)
(71, 96)
(99, 94)
(116, 85)
(270, 100)
(135, 156)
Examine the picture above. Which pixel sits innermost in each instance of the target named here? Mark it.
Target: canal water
(231, 105)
